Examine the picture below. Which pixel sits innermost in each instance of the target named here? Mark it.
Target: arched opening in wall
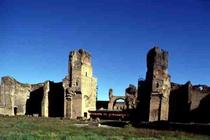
(119, 104)
(15, 110)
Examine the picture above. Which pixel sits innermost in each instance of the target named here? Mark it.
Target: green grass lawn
(28, 128)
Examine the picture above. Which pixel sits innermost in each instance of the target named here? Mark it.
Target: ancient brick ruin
(155, 90)
(127, 102)
(72, 98)
(43, 99)
(189, 103)
(161, 100)
(79, 86)
(155, 99)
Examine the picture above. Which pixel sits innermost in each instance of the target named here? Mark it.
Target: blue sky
(37, 35)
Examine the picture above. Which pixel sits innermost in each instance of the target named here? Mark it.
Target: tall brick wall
(80, 85)
(155, 90)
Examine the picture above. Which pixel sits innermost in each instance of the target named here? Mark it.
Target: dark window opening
(15, 111)
(86, 74)
(157, 85)
(85, 114)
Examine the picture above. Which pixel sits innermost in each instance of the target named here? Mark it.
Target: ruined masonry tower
(158, 80)
(79, 86)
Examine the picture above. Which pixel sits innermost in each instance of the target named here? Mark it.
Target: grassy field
(28, 128)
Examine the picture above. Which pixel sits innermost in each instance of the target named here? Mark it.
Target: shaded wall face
(189, 105)
(143, 106)
(196, 96)
(200, 104)
(56, 100)
(179, 106)
(101, 105)
(34, 103)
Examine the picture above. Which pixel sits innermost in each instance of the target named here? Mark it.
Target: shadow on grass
(114, 123)
(186, 127)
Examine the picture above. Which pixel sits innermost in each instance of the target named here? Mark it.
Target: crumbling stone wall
(131, 97)
(20, 99)
(13, 96)
(31, 99)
